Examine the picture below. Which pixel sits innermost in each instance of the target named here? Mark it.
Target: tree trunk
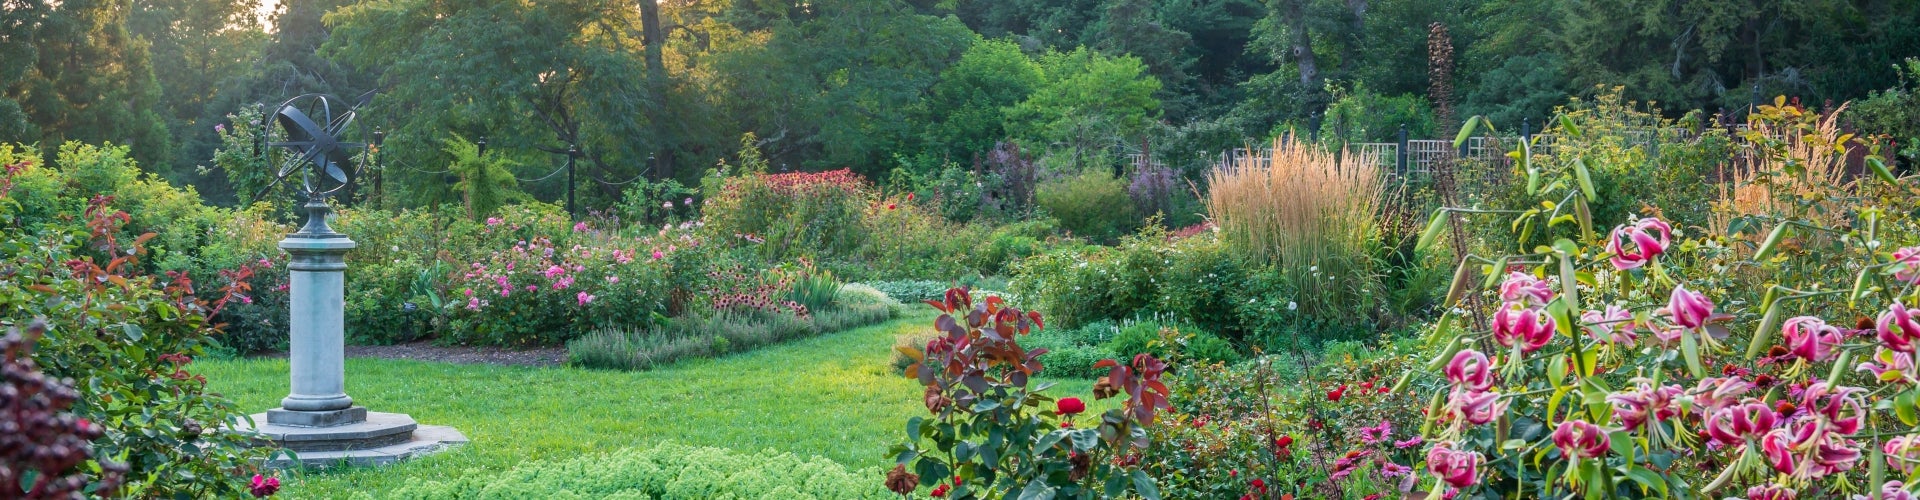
(1302, 44)
(654, 38)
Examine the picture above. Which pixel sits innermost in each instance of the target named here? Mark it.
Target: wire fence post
(1400, 163)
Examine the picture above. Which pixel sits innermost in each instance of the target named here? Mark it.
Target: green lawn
(825, 396)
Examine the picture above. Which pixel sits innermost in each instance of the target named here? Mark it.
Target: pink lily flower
(1650, 237)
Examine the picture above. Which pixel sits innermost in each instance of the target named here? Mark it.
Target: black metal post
(379, 170)
(483, 145)
(1526, 129)
(572, 152)
(1401, 162)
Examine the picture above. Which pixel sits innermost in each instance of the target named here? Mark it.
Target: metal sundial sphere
(311, 127)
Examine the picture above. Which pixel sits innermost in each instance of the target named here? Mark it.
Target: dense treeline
(667, 89)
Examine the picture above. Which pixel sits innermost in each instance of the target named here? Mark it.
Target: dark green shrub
(911, 291)
(1093, 204)
(665, 471)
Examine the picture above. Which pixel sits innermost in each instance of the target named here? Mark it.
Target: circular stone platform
(377, 439)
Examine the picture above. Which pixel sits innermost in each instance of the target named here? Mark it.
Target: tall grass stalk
(1309, 213)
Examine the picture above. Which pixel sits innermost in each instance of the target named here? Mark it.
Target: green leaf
(913, 428)
(1047, 442)
(133, 331)
(1533, 181)
(932, 471)
(1037, 490)
(1143, 485)
(1690, 348)
(1647, 478)
(1566, 123)
(1903, 407)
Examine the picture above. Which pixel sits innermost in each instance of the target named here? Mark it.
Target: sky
(265, 13)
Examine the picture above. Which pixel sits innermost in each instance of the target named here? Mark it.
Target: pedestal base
(377, 439)
(330, 418)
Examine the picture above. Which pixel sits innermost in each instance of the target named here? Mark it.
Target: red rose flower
(1070, 406)
(1283, 441)
(1336, 394)
(939, 491)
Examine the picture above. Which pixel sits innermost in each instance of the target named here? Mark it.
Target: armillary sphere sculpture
(310, 127)
(317, 419)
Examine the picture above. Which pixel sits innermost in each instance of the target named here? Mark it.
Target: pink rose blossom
(1649, 237)
(584, 298)
(493, 221)
(1581, 439)
(579, 227)
(657, 255)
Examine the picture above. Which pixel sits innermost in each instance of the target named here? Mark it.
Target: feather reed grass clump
(1308, 213)
(1796, 156)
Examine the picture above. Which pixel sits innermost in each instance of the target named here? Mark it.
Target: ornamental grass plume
(1308, 211)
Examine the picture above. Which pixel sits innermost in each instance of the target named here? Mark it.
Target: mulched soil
(426, 351)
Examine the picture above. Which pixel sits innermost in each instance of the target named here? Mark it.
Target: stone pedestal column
(317, 350)
(317, 419)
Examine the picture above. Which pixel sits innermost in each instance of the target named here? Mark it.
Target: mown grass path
(830, 396)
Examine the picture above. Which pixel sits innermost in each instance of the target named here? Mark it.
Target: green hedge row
(666, 471)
